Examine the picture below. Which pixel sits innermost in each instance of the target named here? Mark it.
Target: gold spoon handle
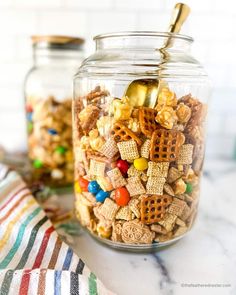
(179, 15)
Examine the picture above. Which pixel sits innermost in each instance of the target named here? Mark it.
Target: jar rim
(143, 34)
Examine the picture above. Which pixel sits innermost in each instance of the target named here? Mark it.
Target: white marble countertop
(207, 255)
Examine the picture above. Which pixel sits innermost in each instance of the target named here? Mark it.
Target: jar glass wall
(139, 114)
(48, 93)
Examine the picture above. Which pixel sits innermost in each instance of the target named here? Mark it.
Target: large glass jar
(48, 94)
(139, 112)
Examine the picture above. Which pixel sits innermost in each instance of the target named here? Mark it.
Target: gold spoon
(144, 92)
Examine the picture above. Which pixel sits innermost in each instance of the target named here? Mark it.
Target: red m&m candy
(83, 183)
(123, 166)
(122, 196)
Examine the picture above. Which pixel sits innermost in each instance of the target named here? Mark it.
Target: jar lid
(57, 42)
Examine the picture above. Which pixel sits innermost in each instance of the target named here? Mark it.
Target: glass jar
(139, 115)
(48, 95)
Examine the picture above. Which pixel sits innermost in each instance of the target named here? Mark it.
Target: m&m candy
(29, 117)
(52, 131)
(94, 187)
(123, 166)
(189, 188)
(101, 196)
(122, 196)
(77, 188)
(83, 183)
(60, 150)
(37, 164)
(141, 164)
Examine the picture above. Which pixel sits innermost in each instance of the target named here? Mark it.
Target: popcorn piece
(167, 98)
(185, 154)
(183, 113)
(97, 168)
(158, 169)
(97, 143)
(82, 210)
(134, 232)
(135, 186)
(116, 178)
(104, 183)
(109, 149)
(124, 213)
(108, 209)
(134, 125)
(103, 231)
(134, 207)
(122, 109)
(104, 125)
(168, 221)
(179, 186)
(166, 117)
(128, 150)
(155, 185)
(177, 207)
(145, 149)
(173, 175)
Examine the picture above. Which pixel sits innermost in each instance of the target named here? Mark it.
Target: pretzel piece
(121, 133)
(165, 145)
(153, 208)
(147, 121)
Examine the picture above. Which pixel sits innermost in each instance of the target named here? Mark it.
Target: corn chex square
(135, 186)
(168, 221)
(128, 150)
(177, 207)
(145, 149)
(116, 178)
(109, 209)
(109, 149)
(155, 185)
(185, 154)
(158, 169)
(124, 213)
(97, 168)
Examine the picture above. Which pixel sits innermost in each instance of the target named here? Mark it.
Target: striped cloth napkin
(33, 259)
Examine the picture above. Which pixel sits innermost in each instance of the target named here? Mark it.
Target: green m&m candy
(189, 188)
(61, 150)
(30, 126)
(37, 164)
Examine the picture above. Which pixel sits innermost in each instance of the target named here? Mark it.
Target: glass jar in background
(139, 115)
(48, 95)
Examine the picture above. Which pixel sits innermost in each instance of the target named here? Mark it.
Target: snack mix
(137, 169)
(49, 126)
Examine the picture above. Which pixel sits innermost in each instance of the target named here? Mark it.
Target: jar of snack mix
(139, 114)
(48, 94)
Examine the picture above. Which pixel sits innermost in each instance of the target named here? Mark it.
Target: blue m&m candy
(93, 187)
(101, 196)
(52, 131)
(29, 116)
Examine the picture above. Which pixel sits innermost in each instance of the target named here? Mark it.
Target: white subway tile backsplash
(104, 22)
(37, 3)
(135, 5)
(62, 23)
(14, 22)
(92, 4)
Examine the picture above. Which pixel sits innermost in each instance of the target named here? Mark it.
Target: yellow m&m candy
(141, 164)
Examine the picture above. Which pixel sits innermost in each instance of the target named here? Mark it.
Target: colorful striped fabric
(33, 259)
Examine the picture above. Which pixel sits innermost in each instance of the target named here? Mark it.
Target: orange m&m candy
(122, 196)
(83, 183)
